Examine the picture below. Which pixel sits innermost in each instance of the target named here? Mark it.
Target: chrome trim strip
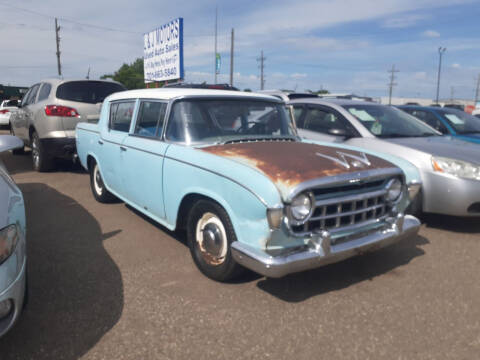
(92, 131)
(351, 198)
(199, 167)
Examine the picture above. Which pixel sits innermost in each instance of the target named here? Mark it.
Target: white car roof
(171, 93)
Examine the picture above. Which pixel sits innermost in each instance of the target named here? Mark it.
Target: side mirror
(338, 132)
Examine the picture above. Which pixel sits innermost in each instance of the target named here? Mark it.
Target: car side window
(44, 91)
(32, 94)
(121, 115)
(430, 119)
(297, 114)
(150, 118)
(322, 120)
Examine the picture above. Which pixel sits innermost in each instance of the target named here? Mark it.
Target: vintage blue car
(229, 168)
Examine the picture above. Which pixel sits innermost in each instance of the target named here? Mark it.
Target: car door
(20, 122)
(142, 161)
(29, 111)
(16, 119)
(111, 142)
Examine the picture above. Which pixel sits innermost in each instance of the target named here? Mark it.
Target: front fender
(247, 210)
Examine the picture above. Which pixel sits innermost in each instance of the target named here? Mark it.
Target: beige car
(49, 112)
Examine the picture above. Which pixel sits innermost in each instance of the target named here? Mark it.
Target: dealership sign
(163, 52)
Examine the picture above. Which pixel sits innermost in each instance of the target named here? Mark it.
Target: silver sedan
(13, 258)
(450, 168)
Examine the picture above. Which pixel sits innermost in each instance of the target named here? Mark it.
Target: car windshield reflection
(389, 122)
(219, 121)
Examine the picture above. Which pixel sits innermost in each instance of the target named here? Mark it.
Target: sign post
(218, 63)
(163, 52)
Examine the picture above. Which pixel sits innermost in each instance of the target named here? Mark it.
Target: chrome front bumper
(321, 252)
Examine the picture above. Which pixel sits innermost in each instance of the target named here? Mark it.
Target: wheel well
(185, 206)
(30, 131)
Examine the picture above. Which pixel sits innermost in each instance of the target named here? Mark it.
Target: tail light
(59, 110)
(4, 111)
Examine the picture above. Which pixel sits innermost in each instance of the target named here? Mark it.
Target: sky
(338, 45)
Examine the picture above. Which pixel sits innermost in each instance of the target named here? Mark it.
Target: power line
(68, 20)
(392, 83)
(231, 57)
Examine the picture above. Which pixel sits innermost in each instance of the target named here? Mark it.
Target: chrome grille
(341, 212)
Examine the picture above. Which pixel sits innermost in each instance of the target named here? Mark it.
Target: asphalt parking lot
(107, 283)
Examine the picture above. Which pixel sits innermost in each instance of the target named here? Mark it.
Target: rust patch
(288, 164)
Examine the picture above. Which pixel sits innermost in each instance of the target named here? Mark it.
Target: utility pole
(392, 83)
(216, 23)
(88, 74)
(57, 38)
(262, 59)
(440, 53)
(231, 58)
(452, 94)
(477, 91)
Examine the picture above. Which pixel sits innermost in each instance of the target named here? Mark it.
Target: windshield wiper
(425, 134)
(393, 135)
(470, 132)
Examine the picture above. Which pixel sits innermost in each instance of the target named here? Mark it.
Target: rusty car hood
(287, 163)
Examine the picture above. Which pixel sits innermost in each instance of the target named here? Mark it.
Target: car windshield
(462, 122)
(227, 120)
(90, 92)
(389, 122)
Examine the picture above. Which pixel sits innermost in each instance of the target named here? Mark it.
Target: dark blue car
(448, 121)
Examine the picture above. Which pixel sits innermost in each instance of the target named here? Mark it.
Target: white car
(6, 109)
(476, 113)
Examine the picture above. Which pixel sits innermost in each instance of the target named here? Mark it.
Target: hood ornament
(356, 161)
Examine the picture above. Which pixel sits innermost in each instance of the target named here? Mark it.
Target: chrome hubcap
(212, 239)
(35, 152)
(97, 181)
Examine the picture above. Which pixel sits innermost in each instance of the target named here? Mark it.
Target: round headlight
(394, 190)
(301, 207)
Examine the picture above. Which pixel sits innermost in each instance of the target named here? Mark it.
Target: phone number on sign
(164, 73)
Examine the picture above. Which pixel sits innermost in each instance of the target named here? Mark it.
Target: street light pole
(440, 52)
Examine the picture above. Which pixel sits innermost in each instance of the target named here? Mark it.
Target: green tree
(130, 75)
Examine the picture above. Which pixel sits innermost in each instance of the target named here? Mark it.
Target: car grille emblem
(356, 161)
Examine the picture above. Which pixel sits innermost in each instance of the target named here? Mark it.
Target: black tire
(224, 267)
(415, 208)
(41, 160)
(99, 191)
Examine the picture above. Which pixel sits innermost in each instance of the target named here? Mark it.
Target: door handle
(100, 142)
(123, 148)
